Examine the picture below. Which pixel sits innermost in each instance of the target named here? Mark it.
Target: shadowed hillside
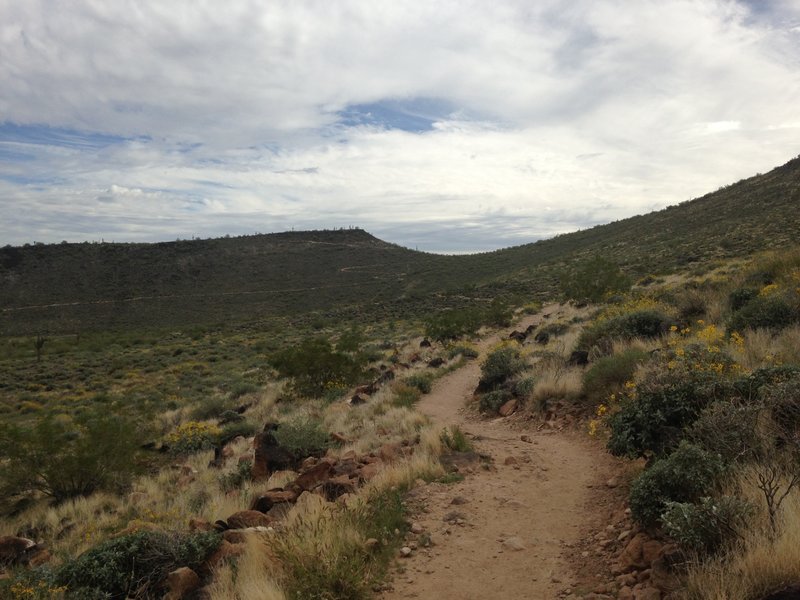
(74, 287)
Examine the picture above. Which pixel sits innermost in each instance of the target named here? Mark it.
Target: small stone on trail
(417, 528)
(510, 460)
(405, 551)
(513, 543)
(458, 500)
(612, 483)
(525, 438)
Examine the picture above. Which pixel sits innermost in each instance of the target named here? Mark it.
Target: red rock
(508, 408)
(200, 525)
(369, 471)
(39, 558)
(180, 583)
(338, 437)
(651, 550)
(279, 496)
(314, 476)
(234, 536)
(646, 593)
(248, 518)
(631, 557)
(389, 452)
(226, 551)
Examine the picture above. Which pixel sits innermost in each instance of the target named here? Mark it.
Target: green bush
(653, 422)
(708, 525)
(464, 350)
(453, 324)
(686, 475)
(235, 479)
(763, 312)
(491, 402)
(405, 395)
(134, 565)
(315, 367)
(642, 323)
(500, 365)
(303, 437)
(64, 459)
(422, 381)
(608, 374)
(740, 297)
(523, 387)
(593, 280)
(727, 428)
(192, 437)
(233, 430)
(454, 439)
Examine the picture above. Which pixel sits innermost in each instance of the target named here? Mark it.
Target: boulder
(269, 454)
(314, 476)
(248, 518)
(369, 471)
(180, 583)
(436, 362)
(631, 556)
(280, 496)
(389, 452)
(517, 335)
(578, 358)
(541, 338)
(789, 593)
(200, 525)
(508, 408)
(338, 486)
(15, 550)
(425, 343)
(225, 552)
(358, 399)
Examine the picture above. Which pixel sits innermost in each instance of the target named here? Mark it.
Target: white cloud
(564, 116)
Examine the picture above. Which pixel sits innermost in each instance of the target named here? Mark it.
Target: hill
(75, 287)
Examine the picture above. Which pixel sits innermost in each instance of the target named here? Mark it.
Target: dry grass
(764, 563)
(252, 579)
(557, 385)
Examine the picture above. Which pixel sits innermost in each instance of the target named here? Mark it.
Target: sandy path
(519, 515)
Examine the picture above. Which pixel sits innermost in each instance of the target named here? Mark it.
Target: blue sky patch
(415, 115)
(56, 136)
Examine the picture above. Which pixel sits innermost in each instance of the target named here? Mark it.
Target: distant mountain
(75, 287)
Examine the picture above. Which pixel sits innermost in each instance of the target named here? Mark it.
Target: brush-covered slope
(72, 287)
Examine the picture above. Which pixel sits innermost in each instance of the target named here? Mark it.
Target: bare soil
(513, 527)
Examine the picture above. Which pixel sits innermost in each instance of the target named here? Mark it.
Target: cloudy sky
(449, 126)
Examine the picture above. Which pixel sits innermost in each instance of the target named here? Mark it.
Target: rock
(416, 528)
(631, 556)
(339, 438)
(541, 338)
(625, 593)
(508, 408)
(200, 525)
(338, 486)
(269, 454)
(235, 536)
(248, 518)
(459, 461)
(517, 335)
(369, 471)
(180, 583)
(39, 557)
(388, 452)
(15, 550)
(578, 358)
(651, 550)
(405, 551)
(789, 593)
(371, 544)
(358, 399)
(526, 438)
(612, 483)
(262, 504)
(278, 496)
(436, 362)
(459, 500)
(646, 593)
(510, 460)
(314, 476)
(513, 543)
(225, 551)
(425, 343)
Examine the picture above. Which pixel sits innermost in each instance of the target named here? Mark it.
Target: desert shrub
(500, 364)
(726, 428)
(305, 437)
(233, 430)
(465, 350)
(453, 324)
(64, 459)
(608, 374)
(210, 407)
(641, 323)
(523, 387)
(653, 420)
(326, 558)
(236, 478)
(422, 381)
(554, 329)
(763, 311)
(497, 314)
(491, 402)
(454, 439)
(686, 475)
(738, 298)
(135, 564)
(708, 525)
(315, 367)
(593, 280)
(193, 436)
(242, 389)
(405, 395)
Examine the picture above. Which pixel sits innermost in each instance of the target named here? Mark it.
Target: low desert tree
(63, 459)
(593, 280)
(315, 367)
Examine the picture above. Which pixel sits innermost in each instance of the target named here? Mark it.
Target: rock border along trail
(507, 529)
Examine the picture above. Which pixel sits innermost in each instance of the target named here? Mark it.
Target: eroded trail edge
(506, 530)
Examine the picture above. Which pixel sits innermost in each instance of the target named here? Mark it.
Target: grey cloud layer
(230, 113)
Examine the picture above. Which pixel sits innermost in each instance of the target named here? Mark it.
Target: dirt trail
(505, 531)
